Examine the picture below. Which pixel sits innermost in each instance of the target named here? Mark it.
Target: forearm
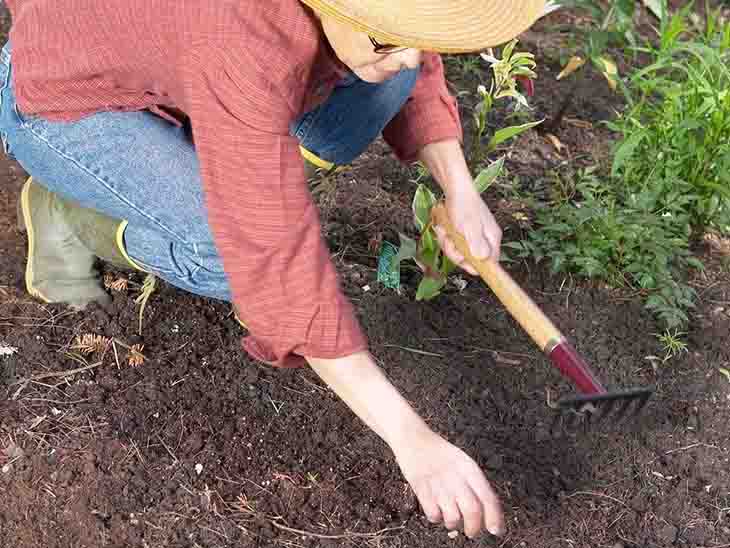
(363, 386)
(446, 163)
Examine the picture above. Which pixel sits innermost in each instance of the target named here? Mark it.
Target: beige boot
(64, 240)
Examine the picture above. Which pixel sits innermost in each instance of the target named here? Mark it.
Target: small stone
(453, 534)
(619, 544)
(198, 468)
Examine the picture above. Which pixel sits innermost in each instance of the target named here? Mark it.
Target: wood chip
(578, 123)
(555, 142)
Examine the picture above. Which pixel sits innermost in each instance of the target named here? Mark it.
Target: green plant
(506, 72)
(679, 116)
(669, 177)
(672, 344)
(426, 251)
(629, 239)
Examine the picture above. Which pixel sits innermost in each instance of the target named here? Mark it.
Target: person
(176, 139)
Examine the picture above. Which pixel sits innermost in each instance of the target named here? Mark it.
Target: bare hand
(472, 218)
(449, 485)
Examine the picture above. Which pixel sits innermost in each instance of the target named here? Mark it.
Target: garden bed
(200, 447)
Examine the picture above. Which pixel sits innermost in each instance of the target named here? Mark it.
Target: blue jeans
(138, 167)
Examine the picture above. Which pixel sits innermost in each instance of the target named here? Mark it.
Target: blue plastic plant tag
(388, 269)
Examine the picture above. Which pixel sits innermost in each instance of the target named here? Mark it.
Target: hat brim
(444, 26)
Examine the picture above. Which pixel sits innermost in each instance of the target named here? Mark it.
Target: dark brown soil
(200, 447)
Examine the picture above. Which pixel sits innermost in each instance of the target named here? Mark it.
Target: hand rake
(595, 403)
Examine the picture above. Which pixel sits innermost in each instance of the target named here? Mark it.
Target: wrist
(446, 163)
(412, 440)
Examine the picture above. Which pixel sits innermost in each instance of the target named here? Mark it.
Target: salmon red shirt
(241, 70)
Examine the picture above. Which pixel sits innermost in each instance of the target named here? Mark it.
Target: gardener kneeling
(96, 99)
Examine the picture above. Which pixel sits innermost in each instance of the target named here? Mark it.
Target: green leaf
(423, 201)
(428, 241)
(487, 176)
(625, 150)
(508, 49)
(500, 136)
(695, 263)
(447, 266)
(524, 71)
(429, 288)
(519, 57)
(408, 249)
(429, 252)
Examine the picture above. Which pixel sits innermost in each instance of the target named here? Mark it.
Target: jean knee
(200, 267)
(194, 266)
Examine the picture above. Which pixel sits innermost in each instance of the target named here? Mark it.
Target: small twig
(174, 458)
(148, 287)
(277, 408)
(414, 350)
(685, 448)
(61, 402)
(23, 384)
(601, 495)
(56, 374)
(345, 535)
(116, 355)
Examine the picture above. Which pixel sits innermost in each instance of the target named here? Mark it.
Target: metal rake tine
(620, 415)
(587, 420)
(642, 402)
(606, 408)
(556, 421)
(572, 418)
(640, 398)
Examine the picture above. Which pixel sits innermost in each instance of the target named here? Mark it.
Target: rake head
(594, 409)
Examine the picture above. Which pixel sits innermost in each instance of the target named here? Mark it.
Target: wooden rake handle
(524, 310)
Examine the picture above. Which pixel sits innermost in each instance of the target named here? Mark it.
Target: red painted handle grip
(570, 364)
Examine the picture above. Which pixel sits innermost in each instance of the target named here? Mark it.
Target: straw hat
(445, 26)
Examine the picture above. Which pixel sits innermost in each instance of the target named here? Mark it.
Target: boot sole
(24, 223)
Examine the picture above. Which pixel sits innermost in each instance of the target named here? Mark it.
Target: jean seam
(6, 81)
(30, 129)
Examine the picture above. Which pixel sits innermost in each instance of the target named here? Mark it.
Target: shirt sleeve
(264, 222)
(430, 114)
